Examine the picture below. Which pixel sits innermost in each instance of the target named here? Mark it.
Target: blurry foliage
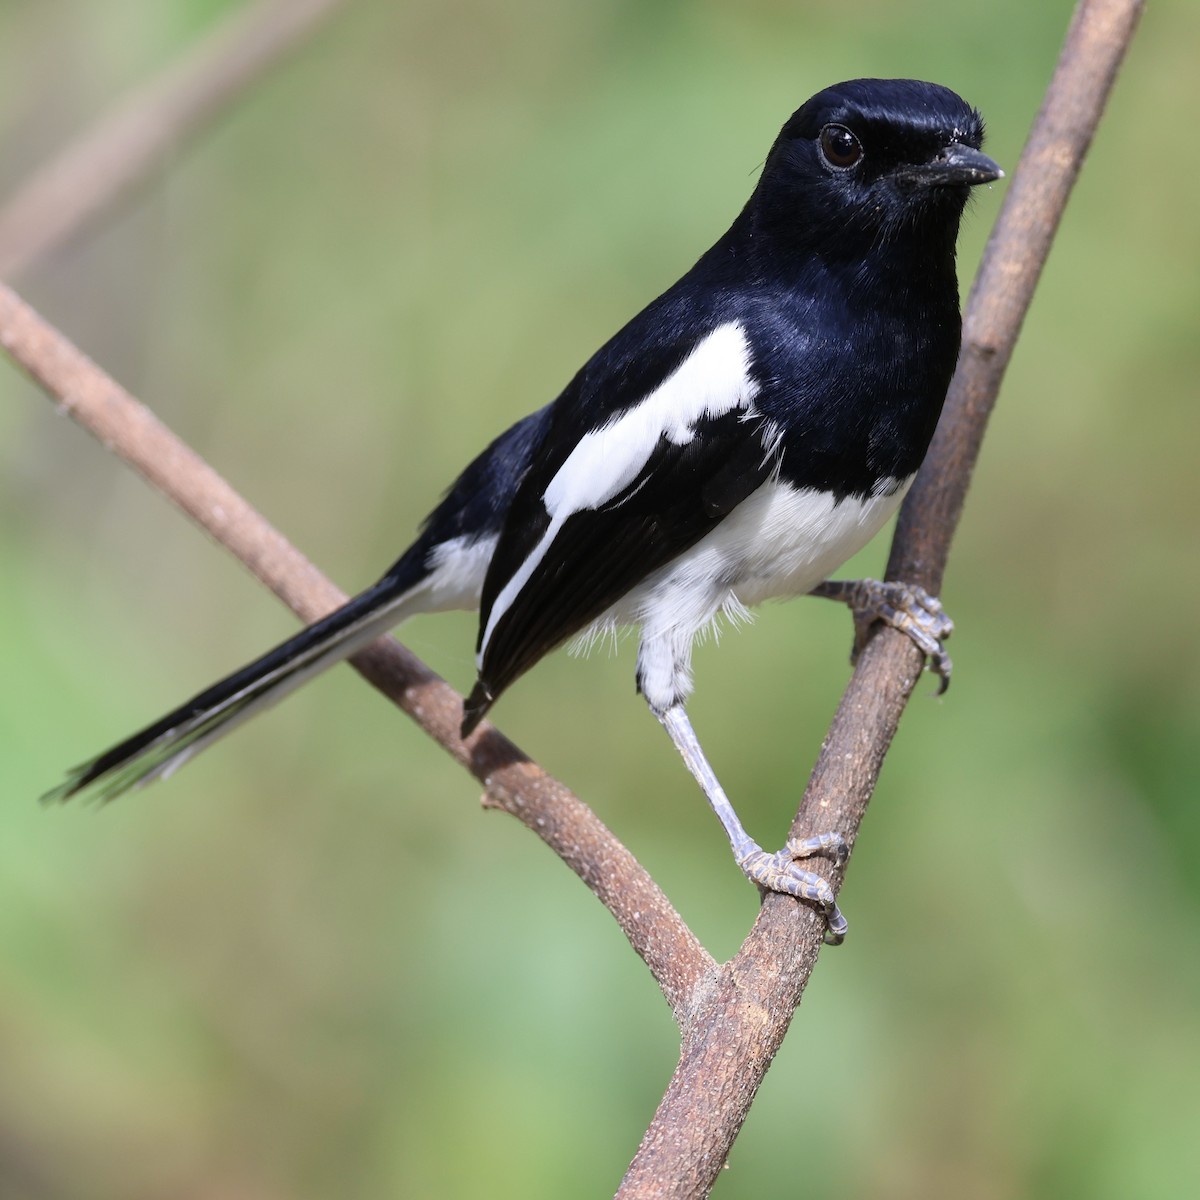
(310, 966)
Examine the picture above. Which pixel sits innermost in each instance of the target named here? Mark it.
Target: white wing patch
(712, 380)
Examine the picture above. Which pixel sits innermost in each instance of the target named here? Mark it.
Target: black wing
(599, 554)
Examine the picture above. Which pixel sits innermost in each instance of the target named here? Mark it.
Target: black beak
(957, 165)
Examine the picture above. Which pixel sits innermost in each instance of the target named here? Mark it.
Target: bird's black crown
(903, 120)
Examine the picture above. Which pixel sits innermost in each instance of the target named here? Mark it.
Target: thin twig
(736, 1032)
(514, 783)
(127, 144)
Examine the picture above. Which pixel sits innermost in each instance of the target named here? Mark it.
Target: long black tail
(159, 749)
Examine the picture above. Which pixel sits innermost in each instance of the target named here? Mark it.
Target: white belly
(777, 542)
(783, 542)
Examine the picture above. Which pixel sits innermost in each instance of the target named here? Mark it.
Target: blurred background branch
(137, 138)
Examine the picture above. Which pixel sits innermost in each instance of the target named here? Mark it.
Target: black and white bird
(739, 439)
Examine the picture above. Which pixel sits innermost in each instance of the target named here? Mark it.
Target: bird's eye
(840, 147)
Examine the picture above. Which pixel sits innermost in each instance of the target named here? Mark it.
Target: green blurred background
(265, 978)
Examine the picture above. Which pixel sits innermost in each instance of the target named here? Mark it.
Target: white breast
(780, 541)
(783, 541)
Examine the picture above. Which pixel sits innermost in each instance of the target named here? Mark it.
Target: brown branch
(127, 144)
(512, 781)
(736, 1031)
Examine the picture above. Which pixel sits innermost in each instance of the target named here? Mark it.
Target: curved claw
(780, 872)
(829, 845)
(903, 606)
(835, 927)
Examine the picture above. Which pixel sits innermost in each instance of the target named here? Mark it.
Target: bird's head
(877, 155)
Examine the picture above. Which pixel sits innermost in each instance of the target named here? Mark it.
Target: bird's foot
(903, 606)
(781, 872)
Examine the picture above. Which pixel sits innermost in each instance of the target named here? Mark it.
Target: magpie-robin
(739, 439)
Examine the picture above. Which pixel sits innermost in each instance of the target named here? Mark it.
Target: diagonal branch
(128, 143)
(743, 1018)
(513, 782)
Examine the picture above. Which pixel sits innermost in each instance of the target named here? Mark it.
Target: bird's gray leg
(772, 872)
(903, 606)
